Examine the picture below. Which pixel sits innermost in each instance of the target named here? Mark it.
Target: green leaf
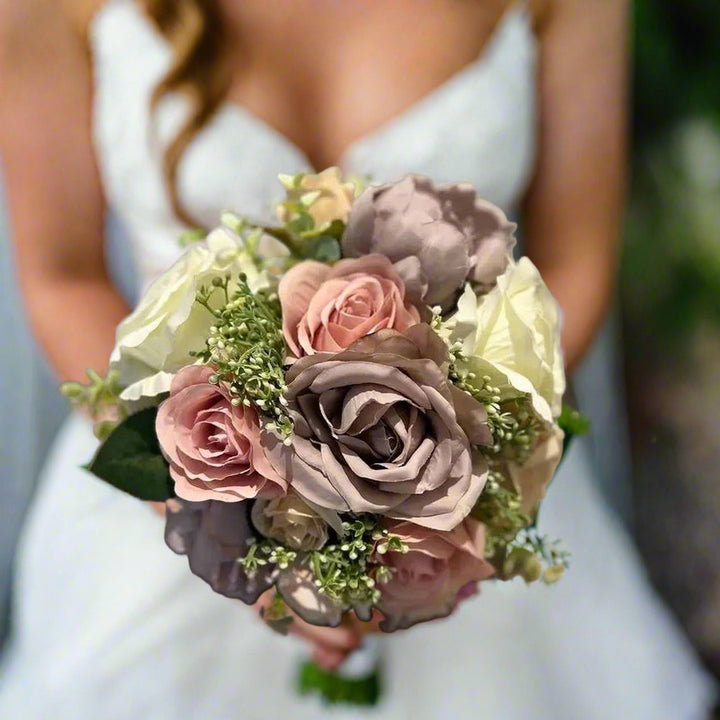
(130, 459)
(572, 422)
(323, 249)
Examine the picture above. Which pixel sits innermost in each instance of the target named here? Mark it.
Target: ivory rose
(291, 521)
(437, 237)
(213, 448)
(326, 309)
(152, 343)
(380, 429)
(433, 575)
(516, 327)
(333, 200)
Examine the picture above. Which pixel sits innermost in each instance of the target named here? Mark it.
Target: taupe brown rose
(437, 237)
(380, 429)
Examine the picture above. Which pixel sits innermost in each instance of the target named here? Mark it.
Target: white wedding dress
(110, 625)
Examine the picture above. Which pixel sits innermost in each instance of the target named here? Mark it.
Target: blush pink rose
(213, 448)
(434, 575)
(326, 309)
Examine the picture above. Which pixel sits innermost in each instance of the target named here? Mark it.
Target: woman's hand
(330, 647)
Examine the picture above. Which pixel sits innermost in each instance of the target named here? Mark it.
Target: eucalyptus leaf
(130, 459)
(323, 249)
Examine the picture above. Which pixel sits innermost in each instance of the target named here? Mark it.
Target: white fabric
(110, 624)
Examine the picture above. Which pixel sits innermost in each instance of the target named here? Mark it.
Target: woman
(174, 111)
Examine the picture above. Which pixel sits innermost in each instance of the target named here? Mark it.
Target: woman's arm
(52, 185)
(574, 208)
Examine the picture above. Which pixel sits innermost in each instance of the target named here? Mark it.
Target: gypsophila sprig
(100, 397)
(345, 571)
(513, 425)
(498, 508)
(247, 350)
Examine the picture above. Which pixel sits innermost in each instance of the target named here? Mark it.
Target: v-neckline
(487, 53)
(233, 109)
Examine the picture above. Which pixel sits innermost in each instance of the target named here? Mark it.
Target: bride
(173, 110)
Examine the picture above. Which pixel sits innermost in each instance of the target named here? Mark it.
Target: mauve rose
(214, 535)
(380, 429)
(326, 309)
(434, 575)
(437, 237)
(213, 448)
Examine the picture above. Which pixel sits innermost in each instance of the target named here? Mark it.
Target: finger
(340, 638)
(329, 658)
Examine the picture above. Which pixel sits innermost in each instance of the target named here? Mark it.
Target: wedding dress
(110, 625)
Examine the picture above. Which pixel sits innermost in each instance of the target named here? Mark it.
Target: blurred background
(660, 350)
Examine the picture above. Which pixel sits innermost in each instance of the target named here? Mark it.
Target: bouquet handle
(358, 682)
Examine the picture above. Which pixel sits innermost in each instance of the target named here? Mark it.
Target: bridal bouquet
(355, 409)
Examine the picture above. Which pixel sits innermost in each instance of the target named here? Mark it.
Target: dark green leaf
(323, 249)
(130, 459)
(572, 422)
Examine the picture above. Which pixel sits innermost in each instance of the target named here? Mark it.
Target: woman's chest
(476, 125)
(329, 72)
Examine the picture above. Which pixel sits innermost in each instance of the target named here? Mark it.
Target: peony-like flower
(437, 237)
(291, 521)
(380, 429)
(214, 536)
(332, 199)
(152, 343)
(213, 448)
(516, 327)
(435, 573)
(326, 309)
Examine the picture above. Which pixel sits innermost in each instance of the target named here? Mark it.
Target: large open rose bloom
(326, 309)
(437, 237)
(213, 447)
(380, 429)
(427, 580)
(153, 342)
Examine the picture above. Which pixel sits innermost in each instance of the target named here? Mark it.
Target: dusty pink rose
(436, 573)
(213, 448)
(326, 309)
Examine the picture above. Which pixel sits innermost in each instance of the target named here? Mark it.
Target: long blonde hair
(195, 31)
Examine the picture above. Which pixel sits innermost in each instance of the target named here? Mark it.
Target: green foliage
(346, 571)
(130, 459)
(97, 397)
(247, 349)
(676, 64)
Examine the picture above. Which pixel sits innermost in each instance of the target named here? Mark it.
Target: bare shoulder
(35, 19)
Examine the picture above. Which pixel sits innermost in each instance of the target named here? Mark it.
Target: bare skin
(287, 53)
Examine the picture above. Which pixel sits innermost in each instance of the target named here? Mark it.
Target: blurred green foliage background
(670, 293)
(671, 271)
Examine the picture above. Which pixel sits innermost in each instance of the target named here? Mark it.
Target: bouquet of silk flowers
(357, 409)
